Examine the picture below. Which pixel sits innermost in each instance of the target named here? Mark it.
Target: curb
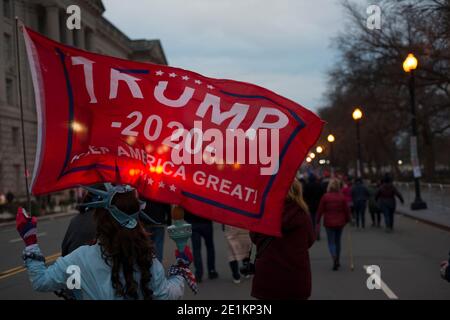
(43, 218)
(425, 221)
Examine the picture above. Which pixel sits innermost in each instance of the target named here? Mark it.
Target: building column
(79, 35)
(70, 37)
(53, 30)
(90, 39)
(2, 58)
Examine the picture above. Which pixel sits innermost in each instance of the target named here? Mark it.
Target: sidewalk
(431, 215)
(437, 198)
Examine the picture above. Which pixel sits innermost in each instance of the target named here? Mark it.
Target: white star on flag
(150, 181)
(161, 185)
(210, 86)
(185, 77)
(159, 73)
(172, 75)
(198, 82)
(173, 188)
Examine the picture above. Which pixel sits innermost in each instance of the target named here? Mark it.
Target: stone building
(49, 17)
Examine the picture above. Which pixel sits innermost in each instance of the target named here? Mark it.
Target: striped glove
(181, 268)
(26, 226)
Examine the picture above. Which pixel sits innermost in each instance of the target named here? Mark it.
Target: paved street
(409, 261)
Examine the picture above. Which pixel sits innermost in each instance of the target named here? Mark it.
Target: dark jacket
(335, 210)
(194, 219)
(386, 195)
(283, 269)
(81, 231)
(360, 193)
(312, 194)
(159, 212)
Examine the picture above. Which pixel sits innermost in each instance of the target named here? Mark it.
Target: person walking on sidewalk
(159, 213)
(360, 195)
(312, 194)
(386, 201)
(282, 265)
(336, 214)
(202, 228)
(82, 229)
(374, 209)
(347, 192)
(239, 246)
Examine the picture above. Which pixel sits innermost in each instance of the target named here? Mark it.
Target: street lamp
(331, 139)
(357, 116)
(319, 149)
(312, 155)
(409, 65)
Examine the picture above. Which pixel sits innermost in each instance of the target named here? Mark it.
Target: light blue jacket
(95, 276)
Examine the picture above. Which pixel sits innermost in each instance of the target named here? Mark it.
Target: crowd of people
(117, 240)
(341, 200)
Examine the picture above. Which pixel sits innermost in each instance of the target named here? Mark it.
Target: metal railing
(437, 196)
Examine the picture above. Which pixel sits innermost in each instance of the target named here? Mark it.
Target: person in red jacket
(336, 214)
(282, 266)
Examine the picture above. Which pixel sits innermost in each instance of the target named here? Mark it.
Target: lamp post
(331, 139)
(409, 65)
(357, 116)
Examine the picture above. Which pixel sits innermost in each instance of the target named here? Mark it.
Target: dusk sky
(282, 45)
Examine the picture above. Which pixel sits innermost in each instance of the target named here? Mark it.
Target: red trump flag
(222, 149)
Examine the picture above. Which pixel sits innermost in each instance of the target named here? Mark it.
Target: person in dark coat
(336, 212)
(82, 229)
(160, 214)
(202, 228)
(282, 266)
(386, 201)
(374, 210)
(312, 194)
(360, 196)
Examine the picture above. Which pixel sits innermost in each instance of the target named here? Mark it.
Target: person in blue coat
(120, 265)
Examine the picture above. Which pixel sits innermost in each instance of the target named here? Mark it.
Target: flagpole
(349, 237)
(19, 91)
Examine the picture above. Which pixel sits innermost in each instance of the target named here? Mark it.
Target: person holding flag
(120, 265)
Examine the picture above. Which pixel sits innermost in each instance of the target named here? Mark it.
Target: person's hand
(444, 266)
(26, 226)
(185, 257)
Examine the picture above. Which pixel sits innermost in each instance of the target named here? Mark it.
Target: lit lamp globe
(410, 63)
(330, 138)
(319, 149)
(357, 114)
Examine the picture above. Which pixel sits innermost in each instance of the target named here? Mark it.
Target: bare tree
(369, 74)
